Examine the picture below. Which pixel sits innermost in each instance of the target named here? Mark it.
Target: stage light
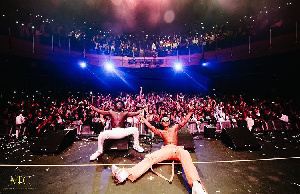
(178, 66)
(204, 64)
(109, 66)
(82, 64)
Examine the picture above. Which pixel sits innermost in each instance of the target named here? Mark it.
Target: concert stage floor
(273, 169)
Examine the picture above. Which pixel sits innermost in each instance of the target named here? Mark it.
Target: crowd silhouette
(35, 114)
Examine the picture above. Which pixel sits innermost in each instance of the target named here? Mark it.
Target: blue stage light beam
(124, 80)
(194, 80)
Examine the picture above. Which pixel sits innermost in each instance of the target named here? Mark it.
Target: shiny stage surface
(275, 168)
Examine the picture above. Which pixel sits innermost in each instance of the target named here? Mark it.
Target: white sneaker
(138, 148)
(198, 188)
(95, 155)
(119, 175)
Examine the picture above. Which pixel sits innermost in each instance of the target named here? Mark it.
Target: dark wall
(267, 76)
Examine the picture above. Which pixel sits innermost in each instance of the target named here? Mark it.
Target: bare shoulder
(176, 127)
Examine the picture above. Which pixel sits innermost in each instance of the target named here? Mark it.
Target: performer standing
(170, 151)
(118, 130)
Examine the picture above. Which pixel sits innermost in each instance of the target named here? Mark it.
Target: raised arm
(151, 127)
(141, 92)
(186, 118)
(103, 112)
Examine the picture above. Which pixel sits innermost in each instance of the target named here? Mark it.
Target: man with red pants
(170, 151)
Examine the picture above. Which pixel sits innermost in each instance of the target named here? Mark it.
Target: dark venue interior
(225, 72)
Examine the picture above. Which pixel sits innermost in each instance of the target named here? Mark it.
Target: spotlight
(178, 66)
(204, 64)
(82, 64)
(109, 66)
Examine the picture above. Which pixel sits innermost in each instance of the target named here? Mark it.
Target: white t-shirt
(20, 119)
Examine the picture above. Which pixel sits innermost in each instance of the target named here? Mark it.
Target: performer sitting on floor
(118, 130)
(170, 151)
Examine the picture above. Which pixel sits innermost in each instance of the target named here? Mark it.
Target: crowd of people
(147, 46)
(35, 114)
(96, 40)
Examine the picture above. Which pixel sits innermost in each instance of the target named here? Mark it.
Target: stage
(275, 168)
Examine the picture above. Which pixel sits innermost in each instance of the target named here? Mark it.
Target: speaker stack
(53, 142)
(210, 132)
(185, 139)
(239, 139)
(116, 144)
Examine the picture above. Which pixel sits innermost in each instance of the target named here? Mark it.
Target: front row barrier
(198, 127)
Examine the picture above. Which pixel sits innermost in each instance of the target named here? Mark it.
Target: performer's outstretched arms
(131, 114)
(103, 112)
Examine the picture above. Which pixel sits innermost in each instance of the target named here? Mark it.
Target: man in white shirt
(20, 119)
